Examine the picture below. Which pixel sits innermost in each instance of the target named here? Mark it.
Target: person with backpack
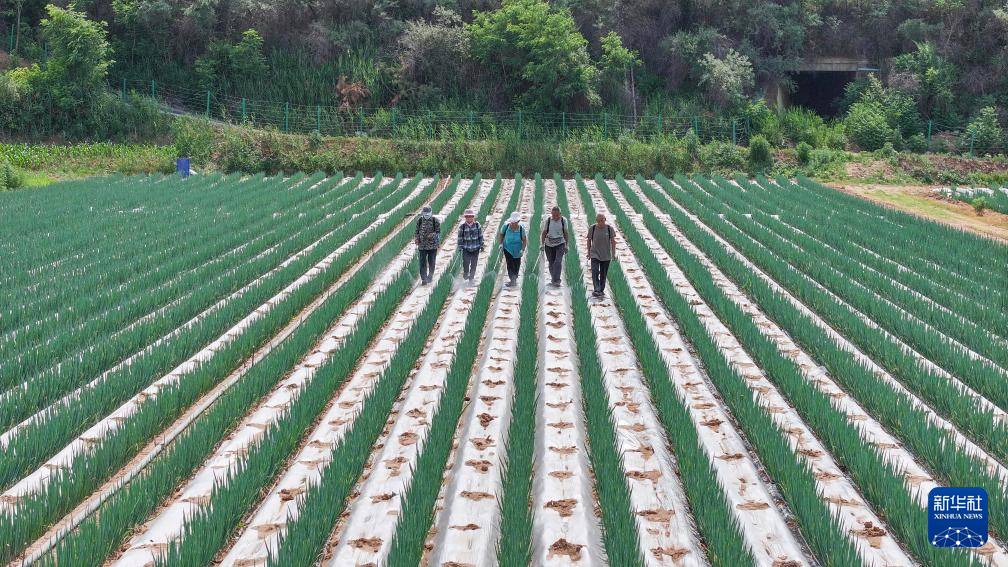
(554, 237)
(428, 238)
(601, 250)
(513, 240)
(470, 242)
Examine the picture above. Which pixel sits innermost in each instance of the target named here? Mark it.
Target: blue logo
(957, 517)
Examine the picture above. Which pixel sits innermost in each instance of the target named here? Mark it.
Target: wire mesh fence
(438, 124)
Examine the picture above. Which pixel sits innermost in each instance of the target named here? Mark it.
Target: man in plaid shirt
(470, 242)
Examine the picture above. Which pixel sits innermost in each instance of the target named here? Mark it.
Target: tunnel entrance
(819, 90)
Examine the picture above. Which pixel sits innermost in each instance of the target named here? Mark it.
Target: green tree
(984, 132)
(727, 80)
(79, 57)
(226, 65)
(539, 52)
(617, 66)
(931, 81)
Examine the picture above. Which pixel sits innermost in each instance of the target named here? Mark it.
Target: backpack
(436, 227)
(549, 219)
(591, 230)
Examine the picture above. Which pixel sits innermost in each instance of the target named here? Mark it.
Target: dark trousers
(600, 269)
(512, 266)
(554, 257)
(469, 258)
(427, 258)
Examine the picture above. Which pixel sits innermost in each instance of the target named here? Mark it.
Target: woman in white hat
(470, 242)
(513, 241)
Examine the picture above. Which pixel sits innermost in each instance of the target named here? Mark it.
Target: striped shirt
(470, 236)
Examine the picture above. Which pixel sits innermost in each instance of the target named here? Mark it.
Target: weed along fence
(438, 124)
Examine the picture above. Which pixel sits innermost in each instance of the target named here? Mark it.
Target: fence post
(661, 125)
(10, 40)
(972, 140)
(471, 124)
(430, 124)
(696, 126)
(734, 133)
(318, 119)
(208, 104)
(605, 125)
(563, 122)
(930, 124)
(395, 129)
(122, 92)
(520, 125)
(153, 89)
(244, 115)
(361, 121)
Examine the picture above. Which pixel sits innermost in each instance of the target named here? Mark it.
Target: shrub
(194, 138)
(722, 157)
(692, 143)
(802, 125)
(10, 178)
(239, 151)
(867, 127)
(916, 143)
(979, 205)
(760, 154)
(984, 132)
(886, 151)
(802, 152)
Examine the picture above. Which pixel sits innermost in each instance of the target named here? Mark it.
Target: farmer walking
(554, 237)
(513, 241)
(601, 249)
(470, 242)
(428, 238)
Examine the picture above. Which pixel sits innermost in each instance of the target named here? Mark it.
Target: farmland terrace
(244, 371)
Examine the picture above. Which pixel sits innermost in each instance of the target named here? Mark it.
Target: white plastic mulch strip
(269, 521)
(470, 496)
(169, 522)
(666, 530)
(763, 525)
(106, 426)
(569, 534)
(366, 534)
(851, 511)
(968, 446)
(866, 530)
(953, 343)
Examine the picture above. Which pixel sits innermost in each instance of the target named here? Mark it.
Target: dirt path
(924, 202)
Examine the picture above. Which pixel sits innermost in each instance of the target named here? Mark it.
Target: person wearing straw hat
(513, 241)
(470, 242)
(428, 238)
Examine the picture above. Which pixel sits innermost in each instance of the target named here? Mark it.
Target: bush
(10, 178)
(867, 127)
(194, 138)
(916, 143)
(239, 151)
(886, 151)
(802, 152)
(722, 157)
(761, 157)
(984, 133)
(692, 143)
(979, 205)
(802, 125)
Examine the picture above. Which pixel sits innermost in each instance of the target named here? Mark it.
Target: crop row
(93, 463)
